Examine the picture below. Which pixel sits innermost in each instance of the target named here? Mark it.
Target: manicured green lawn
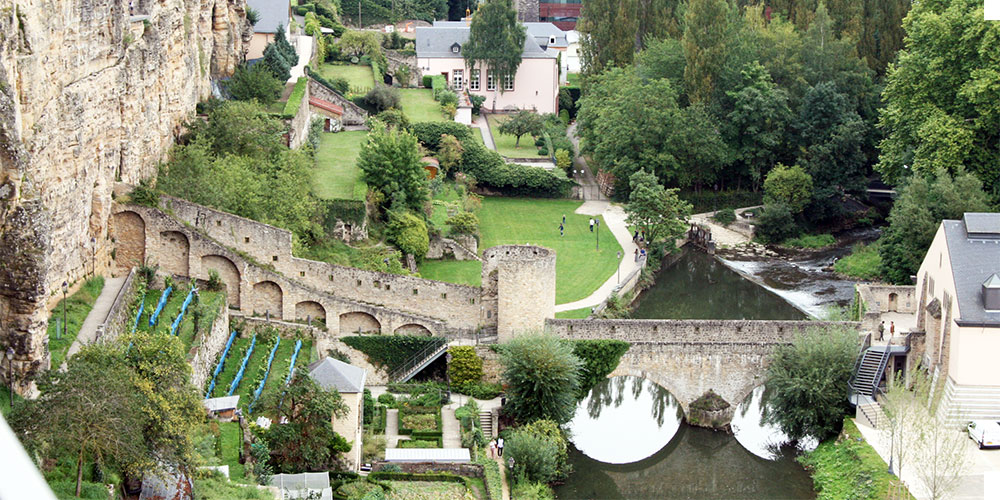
(425, 490)
(864, 262)
(573, 79)
(581, 313)
(78, 306)
(336, 175)
(580, 269)
(505, 142)
(357, 75)
(419, 106)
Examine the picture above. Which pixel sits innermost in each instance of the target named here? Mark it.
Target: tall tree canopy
(706, 35)
(390, 163)
(616, 29)
(307, 442)
(496, 39)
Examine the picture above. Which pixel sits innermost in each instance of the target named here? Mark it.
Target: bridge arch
(310, 309)
(267, 297)
(175, 251)
(413, 329)
(661, 380)
(229, 273)
(359, 322)
(128, 231)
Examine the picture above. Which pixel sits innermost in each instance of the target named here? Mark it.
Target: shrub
(144, 194)
(429, 133)
(598, 358)
(276, 63)
(725, 216)
(543, 151)
(447, 97)
(478, 390)
(408, 232)
(564, 116)
(382, 97)
(438, 84)
(387, 399)
(539, 452)
(394, 117)
(542, 374)
(253, 82)
(477, 102)
(491, 470)
(449, 152)
(214, 281)
(449, 110)
(776, 224)
(531, 490)
(426, 81)
(463, 223)
(465, 365)
(864, 262)
(490, 170)
(390, 351)
(563, 160)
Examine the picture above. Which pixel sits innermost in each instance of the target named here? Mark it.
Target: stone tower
(519, 288)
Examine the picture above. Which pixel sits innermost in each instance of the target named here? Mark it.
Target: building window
(274, 258)
(508, 82)
(415, 291)
(474, 79)
(491, 83)
(456, 79)
(246, 239)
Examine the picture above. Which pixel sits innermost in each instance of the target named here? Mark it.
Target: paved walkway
(304, 48)
(392, 428)
(97, 315)
(451, 433)
(721, 235)
(484, 128)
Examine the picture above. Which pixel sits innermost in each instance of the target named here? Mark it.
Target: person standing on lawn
(591, 224)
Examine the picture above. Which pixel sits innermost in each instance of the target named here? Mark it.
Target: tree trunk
(79, 472)
(517, 142)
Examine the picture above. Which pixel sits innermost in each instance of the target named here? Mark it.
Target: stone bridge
(690, 357)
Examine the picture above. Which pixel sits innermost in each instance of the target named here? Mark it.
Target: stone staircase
(962, 403)
(486, 423)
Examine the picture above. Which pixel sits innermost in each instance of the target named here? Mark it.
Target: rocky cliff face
(91, 91)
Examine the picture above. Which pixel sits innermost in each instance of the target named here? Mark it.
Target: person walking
(560, 229)
(564, 218)
(591, 224)
(635, 237)
(637, 254)
(493, 448)
(881, 330)
(500, 447)
(892, 329)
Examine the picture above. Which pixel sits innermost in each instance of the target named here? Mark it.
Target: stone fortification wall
(298, 129)
(353, 114)
(119, 318)
(459, 305)
(687, 330)
(205, 349)
(886, 298)
(525, 283)
(89, 94)
(459, 247)
(492, 369)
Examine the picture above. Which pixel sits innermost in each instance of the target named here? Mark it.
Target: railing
(881, 369)
(865, 344)
(867, 410)
(417, 359)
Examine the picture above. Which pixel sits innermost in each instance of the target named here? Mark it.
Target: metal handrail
(417, 358)
(881, 369)
(865, 344)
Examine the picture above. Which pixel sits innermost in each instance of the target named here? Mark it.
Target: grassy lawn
(849, 468)
(810, 241)
(425, 490)
(357, 75)
(232, 365)
(580, 269)
(864, 262)
(78, 306)
(337, 175)
(275, 378)
(419, 106)
(573, 79)
(581, 313)
(505, 142)
(230, 433)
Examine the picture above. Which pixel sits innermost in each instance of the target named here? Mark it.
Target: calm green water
(700, 287)
(630, 443)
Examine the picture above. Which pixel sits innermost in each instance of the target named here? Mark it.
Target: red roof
(326, 105)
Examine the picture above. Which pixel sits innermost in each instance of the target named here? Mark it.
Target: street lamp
(65, 288)
(619, 268)
(597, 232)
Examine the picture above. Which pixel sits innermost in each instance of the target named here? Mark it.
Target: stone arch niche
(359, 322)
(310, 309)
(893, 302)
(267, 299)
(413, 329)
(229, 273)
(128, 231)
(174, 253)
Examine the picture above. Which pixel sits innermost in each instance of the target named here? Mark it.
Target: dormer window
(552, 40)
(456, 48)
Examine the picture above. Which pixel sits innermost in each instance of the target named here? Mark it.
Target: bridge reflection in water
(630, 442)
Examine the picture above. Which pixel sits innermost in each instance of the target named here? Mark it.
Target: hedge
(491, 473)
(295, 98)
(438, 85)
(379, 420)
(390, 351)
(429, 133)
(420, 443)
(352, 211)
(491, 172)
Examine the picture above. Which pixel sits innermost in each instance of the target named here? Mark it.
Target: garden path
(304, 48)
(451, 436)
(721, 235)
(484, 128)
(97, 315)
(392, 428)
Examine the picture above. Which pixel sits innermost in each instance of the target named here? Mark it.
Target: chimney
(991, 293)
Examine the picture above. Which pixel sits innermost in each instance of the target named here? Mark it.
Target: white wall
(536, 84)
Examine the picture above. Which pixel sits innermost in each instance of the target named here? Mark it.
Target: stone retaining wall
(353, 114)
(687, 331)
(298, 127)
(207, 347)
(119, 318)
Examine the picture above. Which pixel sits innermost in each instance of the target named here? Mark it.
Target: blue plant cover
(159, 306)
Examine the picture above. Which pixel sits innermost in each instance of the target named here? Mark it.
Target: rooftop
(221, 404)
(974, 252)
(442, 455)
(437, 41)
(273, 13)
(326, 105)
(331, 373)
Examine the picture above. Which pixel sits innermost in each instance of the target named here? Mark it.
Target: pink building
(534, 87)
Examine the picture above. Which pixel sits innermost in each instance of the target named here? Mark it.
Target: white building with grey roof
(272, 15)
(349, 381)
(535, 86)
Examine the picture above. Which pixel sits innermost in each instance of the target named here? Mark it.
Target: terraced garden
(209, 302)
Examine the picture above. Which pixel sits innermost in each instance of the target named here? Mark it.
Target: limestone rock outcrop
(91, 91)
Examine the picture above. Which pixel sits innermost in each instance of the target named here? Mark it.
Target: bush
(382, 97)
(490, 171)
(539, 451)
(145, 194)
(463, 223)
(390, 351)
(449, 110)
(408, 232)
(253, 82)
(776, 224)
(478, 390)
(429, 133)
(447, 97)
(598, 358)
(465, 366)
(394, 117)
(491, 470)
(438, 84)
(543, 151)
(542, 374)
(387, 399)
(531, 490)
(477, 102)
(426, 81)
(276, 63)
(725, 216)
(811, 241)
(864, 262)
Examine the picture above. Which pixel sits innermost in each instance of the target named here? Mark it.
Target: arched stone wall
(128, 230)
(267, 298)
(229, 273)
(310, 309)
(359, 322)
(175, 251)
(413, 329)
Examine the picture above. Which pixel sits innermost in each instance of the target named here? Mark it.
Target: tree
(521, 123)
(390, 163)
(615, 30)
(276, 63)
(358, 43)
(758, 121)
(88, 412)
(543, 376)
(408, 232)
(463, 223)
(253, 83)
(382, 97)
(539, 451)
(449, 152)
(706, 32)
(662, 58)
(281, 42)
(790, 186)
(657, 211)
(776, 224)
(307, 442)
(809, 382)
(496, 40)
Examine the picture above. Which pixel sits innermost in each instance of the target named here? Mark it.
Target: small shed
(332, 114)
(435, 455)
(304, 485)
(221, 408)
(431, 165)
(349, 381)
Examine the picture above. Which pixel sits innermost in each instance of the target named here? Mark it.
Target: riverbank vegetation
(864, 262)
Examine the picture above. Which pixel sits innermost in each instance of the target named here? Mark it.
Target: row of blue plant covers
(291, 368)
(260, 388)
(243, 366)
(159, 306)
(180, 315)
(142, 305)
(222, 362)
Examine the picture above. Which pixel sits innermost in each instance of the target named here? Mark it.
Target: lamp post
(619, 268)
(65, 288)
(597, 232)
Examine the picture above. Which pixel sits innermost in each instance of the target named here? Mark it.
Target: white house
(535, 86)
(349, 381)
(272, 14)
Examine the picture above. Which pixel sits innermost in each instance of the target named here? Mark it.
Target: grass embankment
(581, 313)
(810, 241)
(419, 106)
(78, 306)
(358, 76)
(505, 142)
(275, 378)
(5, 400)
(211, 301)
(580, 269)
(336, 174)
(848, 467)
(231, 443)
(864, 262)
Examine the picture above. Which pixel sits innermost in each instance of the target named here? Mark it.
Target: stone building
(349, 381)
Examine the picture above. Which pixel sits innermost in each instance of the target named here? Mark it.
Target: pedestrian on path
(635, 237)
(637, 255)
(881, 330)
(500, 447)
(642, 254)
(560, 229)
(892, 329)
(493, 448)
(564, 219)
(591, 224)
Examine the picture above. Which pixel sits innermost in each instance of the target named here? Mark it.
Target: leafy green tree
(539, 450)
(281, 42)
(382, 97)
(776, 224)
(599, 358)
(359, 43)
(916, 214)
(276, 62)
(307, 442)
(616, 30)
(756, 127)
(542, 374)
(390, 163)
(449, 152)
(521, 123)
(496, 39)
(882, 32)
(662, 58)
(808, 380)
(699, 147)
(253, 82)
(655, 210)
(942, 102)
(790, 186)
(463, 223)
(242, 129)
(408, 232)
(706, 36)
